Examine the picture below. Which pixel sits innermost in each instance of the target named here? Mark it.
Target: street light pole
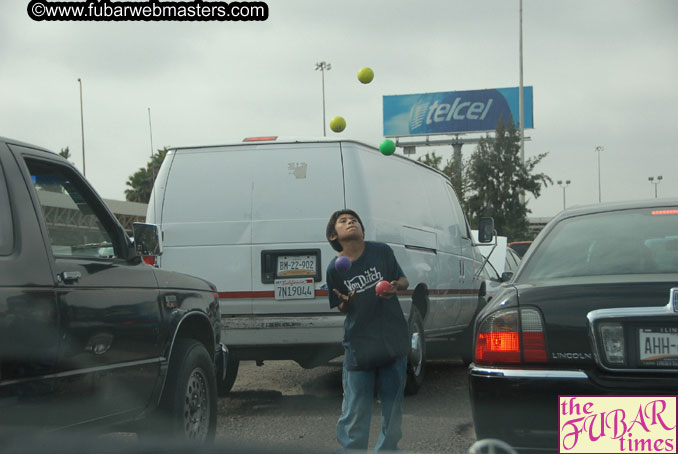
(659, 180)
(323, 66)
(82, 128)
(150, 130)
(599, 148)
(564, 186)
(521, 100)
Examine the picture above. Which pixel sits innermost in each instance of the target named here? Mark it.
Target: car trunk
(565, 303)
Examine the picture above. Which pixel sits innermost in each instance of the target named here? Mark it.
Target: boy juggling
(376, 336)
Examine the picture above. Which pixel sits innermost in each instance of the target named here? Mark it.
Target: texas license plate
(294, 289)
(658, 344)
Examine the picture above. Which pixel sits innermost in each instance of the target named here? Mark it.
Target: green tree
(497, 178)
(141, 183)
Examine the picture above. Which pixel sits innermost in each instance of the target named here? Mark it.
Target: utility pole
(564, 186)
(659, 180)
(82, 128)
(599, 148)
(323, 66)
(522, 100)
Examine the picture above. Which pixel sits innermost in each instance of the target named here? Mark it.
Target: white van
(250, 217)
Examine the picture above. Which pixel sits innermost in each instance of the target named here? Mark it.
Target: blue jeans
(353, 427)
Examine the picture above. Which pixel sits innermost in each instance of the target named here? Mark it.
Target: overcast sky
(604, 73)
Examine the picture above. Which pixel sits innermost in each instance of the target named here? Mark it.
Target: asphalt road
(281, 406)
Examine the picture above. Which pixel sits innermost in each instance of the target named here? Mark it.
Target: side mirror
(147, 239)
(486, 230)
(506, 276)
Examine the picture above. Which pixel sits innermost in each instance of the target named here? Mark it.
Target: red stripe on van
(452, 291)
(269, 294)
(262, 294)
(265, 294)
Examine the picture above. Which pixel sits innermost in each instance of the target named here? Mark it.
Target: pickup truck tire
(416, 360)
(189, 399)
(224, 386)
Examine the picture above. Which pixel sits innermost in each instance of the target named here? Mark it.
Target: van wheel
(188, 405)
(224, 386)
(416, 360)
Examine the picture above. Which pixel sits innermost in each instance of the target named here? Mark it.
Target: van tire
(188, 407)
(416, 360)
(225, 385)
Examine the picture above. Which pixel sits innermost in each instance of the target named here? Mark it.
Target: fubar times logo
(617, 424)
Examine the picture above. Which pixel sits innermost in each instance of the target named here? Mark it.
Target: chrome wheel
(416, 353)
(416, 358)
(196, 406)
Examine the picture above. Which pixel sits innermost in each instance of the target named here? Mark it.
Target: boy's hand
(388, 294)
(399, 284)
(345, 301)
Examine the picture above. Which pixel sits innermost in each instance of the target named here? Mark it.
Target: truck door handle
(70, 277)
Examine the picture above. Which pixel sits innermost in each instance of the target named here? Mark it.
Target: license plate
(658, 344)
(296, 265)
(294, 289)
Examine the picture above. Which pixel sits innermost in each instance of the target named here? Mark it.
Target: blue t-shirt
(375, 330)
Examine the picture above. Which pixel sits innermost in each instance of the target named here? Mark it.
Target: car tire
(225, 385)
(416, 360)
(189, 400)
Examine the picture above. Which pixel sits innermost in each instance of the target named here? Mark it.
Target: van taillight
(500, 340)
(149, 259)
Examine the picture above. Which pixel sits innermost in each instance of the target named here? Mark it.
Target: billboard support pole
(522, 100)
(457, 158)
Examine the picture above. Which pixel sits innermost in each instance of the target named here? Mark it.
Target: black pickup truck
(91, 336)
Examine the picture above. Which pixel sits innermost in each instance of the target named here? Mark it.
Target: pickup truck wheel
(224, 386)
(416, 360)
(189, 400)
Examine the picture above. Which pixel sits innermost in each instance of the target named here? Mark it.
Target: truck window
(6, 227)
(73, 227)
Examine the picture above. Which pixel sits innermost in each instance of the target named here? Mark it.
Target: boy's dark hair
(331, 230)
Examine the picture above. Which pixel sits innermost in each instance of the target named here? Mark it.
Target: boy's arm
(401, 284)
(338, 299)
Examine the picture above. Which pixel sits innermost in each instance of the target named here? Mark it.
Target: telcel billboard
(453, 112)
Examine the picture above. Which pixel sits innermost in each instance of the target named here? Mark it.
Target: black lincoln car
(592, 310)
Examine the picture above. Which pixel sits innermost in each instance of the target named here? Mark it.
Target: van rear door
(295, 189)
(206, 219)
(225, 206)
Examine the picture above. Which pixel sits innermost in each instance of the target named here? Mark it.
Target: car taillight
(149, 259)
(511, 337)
(497, 340)
(534, 344)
